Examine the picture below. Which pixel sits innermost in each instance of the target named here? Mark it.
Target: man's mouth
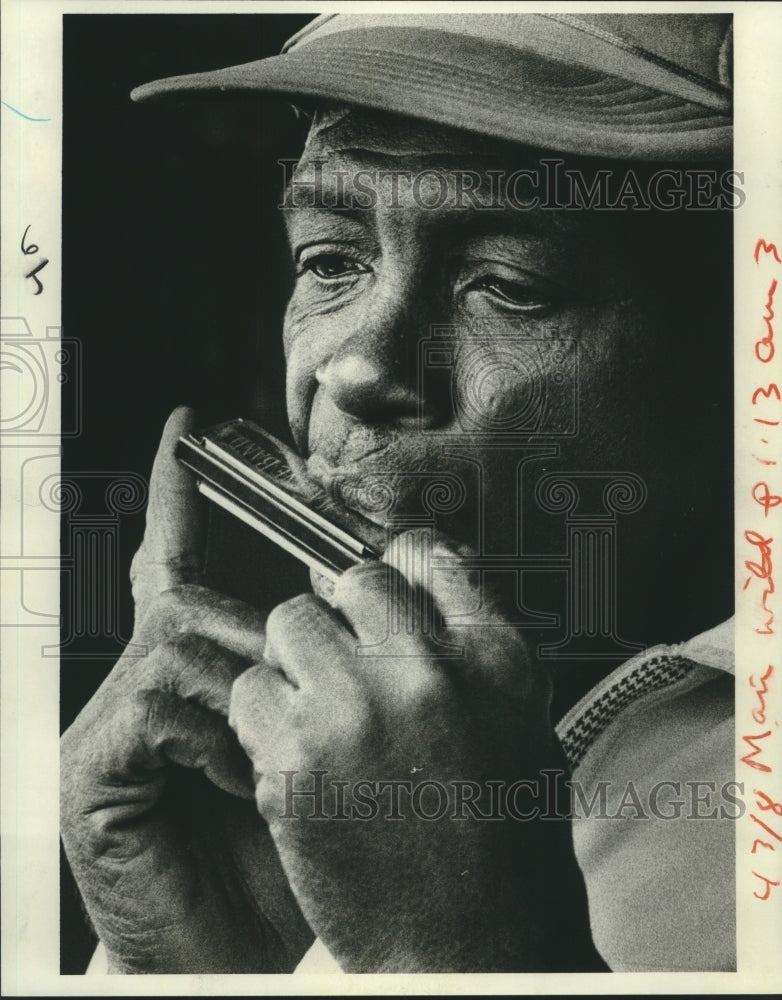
(355, 447)
(379, 476)
(354, 485)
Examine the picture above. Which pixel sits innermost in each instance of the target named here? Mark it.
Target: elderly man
(510, 237)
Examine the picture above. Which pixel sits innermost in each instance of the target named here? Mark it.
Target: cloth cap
(629, 86)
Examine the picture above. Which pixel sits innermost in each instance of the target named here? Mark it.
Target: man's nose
(373, 373)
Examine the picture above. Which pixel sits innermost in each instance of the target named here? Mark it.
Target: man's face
(558, 347)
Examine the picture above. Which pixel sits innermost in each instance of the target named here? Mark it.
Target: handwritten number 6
(32, 248)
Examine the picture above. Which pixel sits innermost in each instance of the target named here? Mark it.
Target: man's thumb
(174, 546)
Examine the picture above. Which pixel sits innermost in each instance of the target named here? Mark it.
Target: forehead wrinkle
(342, 223)
(498, 233)
(349, 162)
(365, 157)
(340, 128)
(446, 155)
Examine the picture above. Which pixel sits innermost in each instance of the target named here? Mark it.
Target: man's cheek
(493, 389)
(302, 357)
(294, 324)
(313, 332)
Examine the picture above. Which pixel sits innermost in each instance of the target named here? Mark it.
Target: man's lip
(344, 480)
(325, 473)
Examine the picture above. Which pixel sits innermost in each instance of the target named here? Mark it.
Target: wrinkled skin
(412, 894)
(179, 868)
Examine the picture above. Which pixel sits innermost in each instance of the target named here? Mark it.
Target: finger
(174, 544)
(474, 616)
(395, 625)
(260, 698)
(188, 692)
(188, 734)
(196, 669)
(307, 639)
(231, 623)
(443, 567)
(384, 610)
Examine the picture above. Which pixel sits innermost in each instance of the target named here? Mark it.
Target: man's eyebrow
(511, 222)
(331, 223)
(326, 223)
(323, 213)
(465, 218)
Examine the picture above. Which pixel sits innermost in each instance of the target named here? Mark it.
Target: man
(457, 320)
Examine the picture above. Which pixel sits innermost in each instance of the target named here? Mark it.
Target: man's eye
(515, 294)
(332, 266)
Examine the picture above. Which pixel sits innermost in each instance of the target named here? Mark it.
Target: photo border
(29, 581)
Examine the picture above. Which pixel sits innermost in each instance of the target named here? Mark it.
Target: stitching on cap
(661, 61)
(383, 61)
(636, 129)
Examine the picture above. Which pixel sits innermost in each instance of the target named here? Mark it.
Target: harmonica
(243, 469)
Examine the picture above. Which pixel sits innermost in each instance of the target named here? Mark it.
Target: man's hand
(177, 869)
(460, 893)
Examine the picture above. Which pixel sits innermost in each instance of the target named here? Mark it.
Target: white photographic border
(31, 117)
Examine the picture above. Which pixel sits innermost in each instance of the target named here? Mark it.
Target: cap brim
(517, 96)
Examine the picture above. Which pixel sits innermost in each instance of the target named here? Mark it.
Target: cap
(629, 86)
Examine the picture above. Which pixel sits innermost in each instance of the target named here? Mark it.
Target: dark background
(174, 279)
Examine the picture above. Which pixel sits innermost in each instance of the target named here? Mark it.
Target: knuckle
(157, 614)
(185, 647)
(301, 604)
(182, 648)
(425, 688)
(190, 608)
(359, 582)
(150, 708)
(288, 615)
(159, 717)
(243, 693)
(84, 830)
(168, 602)
(168, 606)
(186, 594)
(310, 733)
(350, 724)
(184, 653)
